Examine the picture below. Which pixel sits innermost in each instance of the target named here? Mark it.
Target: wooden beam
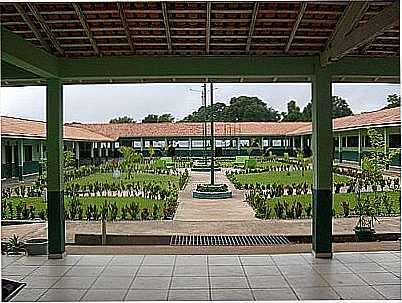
(365, 33)
(32, 26)
(252, 26)
(18, 52)
(45, 27)
(349, 19)
(84, 24)
(300, 15)
(167, 27)
(120, 7)
(208, 28)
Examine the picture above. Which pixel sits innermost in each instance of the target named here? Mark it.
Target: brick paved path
(233, 209)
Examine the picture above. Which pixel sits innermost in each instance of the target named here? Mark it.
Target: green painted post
(20, 160)
(55, 194)
(204, 132)
(212, 136)
(322, 163)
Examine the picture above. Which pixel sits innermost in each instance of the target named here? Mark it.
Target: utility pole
(204, 133)
(212, 136)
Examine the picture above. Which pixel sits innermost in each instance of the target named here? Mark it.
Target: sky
(100, 103)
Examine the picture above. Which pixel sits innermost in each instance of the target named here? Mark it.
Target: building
(23, 140)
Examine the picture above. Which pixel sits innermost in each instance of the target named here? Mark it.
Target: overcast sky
(100, 103)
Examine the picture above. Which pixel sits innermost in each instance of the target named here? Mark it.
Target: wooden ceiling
(79, 30)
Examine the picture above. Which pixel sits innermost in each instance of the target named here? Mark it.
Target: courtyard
(301, 204)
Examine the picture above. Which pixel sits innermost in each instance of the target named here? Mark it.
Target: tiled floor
(375, 276)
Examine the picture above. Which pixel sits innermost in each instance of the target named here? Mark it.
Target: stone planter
(36, 247)
(208, 191)
(364, 235)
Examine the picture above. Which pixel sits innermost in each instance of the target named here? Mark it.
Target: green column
(20, 160)
(322, 164)
(212, 136)
(56, 223)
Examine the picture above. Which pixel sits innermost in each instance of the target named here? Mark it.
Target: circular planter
(204, 169)
(36, 247)
(364, 235)
(208, 191)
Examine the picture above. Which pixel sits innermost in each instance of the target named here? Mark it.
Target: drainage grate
(232, 240)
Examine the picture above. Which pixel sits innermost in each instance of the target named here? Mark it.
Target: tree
(130, 158)
(152, 118)
(124, 119)
(247, 109)
(307, 112)
(240, 109)
(393, 101)
(204, 114)
(340, 108)
(166, 118)
(293, 114)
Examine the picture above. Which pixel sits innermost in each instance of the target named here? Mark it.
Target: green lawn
(281, 177)
(138, 177)
(338, 199)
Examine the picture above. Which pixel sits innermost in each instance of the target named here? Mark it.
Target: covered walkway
(318, 42)
(348, 276)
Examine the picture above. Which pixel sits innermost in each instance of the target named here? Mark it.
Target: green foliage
(340, 107)
(130, 158)
(14, 245)
(124, 119)
(69, 160)
(240, 109)
(152, 118)
(393, 101)
(293, 114)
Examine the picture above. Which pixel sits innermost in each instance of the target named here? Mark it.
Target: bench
(241, 160)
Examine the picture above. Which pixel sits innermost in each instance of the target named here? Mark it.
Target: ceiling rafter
(349, 19)
(252, 26)
(120, 7)
(84, 24)
(32, 26)
(300, 15)
(167, 27)
(208, 27)
(45, 27)
(366, 32)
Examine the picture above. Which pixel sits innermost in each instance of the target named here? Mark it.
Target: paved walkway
(233, 209)
(348, 276)
(176, 227)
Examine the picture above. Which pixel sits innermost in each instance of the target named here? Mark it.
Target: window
(137, 144)
(277, 142)
(244, 143)
(353, 141)
(394, 140)
(28, 153)
(367, 142)
(343, 141)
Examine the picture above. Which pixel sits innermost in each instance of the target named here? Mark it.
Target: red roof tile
(369, 119)
(20, 127)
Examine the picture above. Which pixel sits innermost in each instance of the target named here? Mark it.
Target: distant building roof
(20, 127)
(104, 132)
(190, 129)
(363, 120)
